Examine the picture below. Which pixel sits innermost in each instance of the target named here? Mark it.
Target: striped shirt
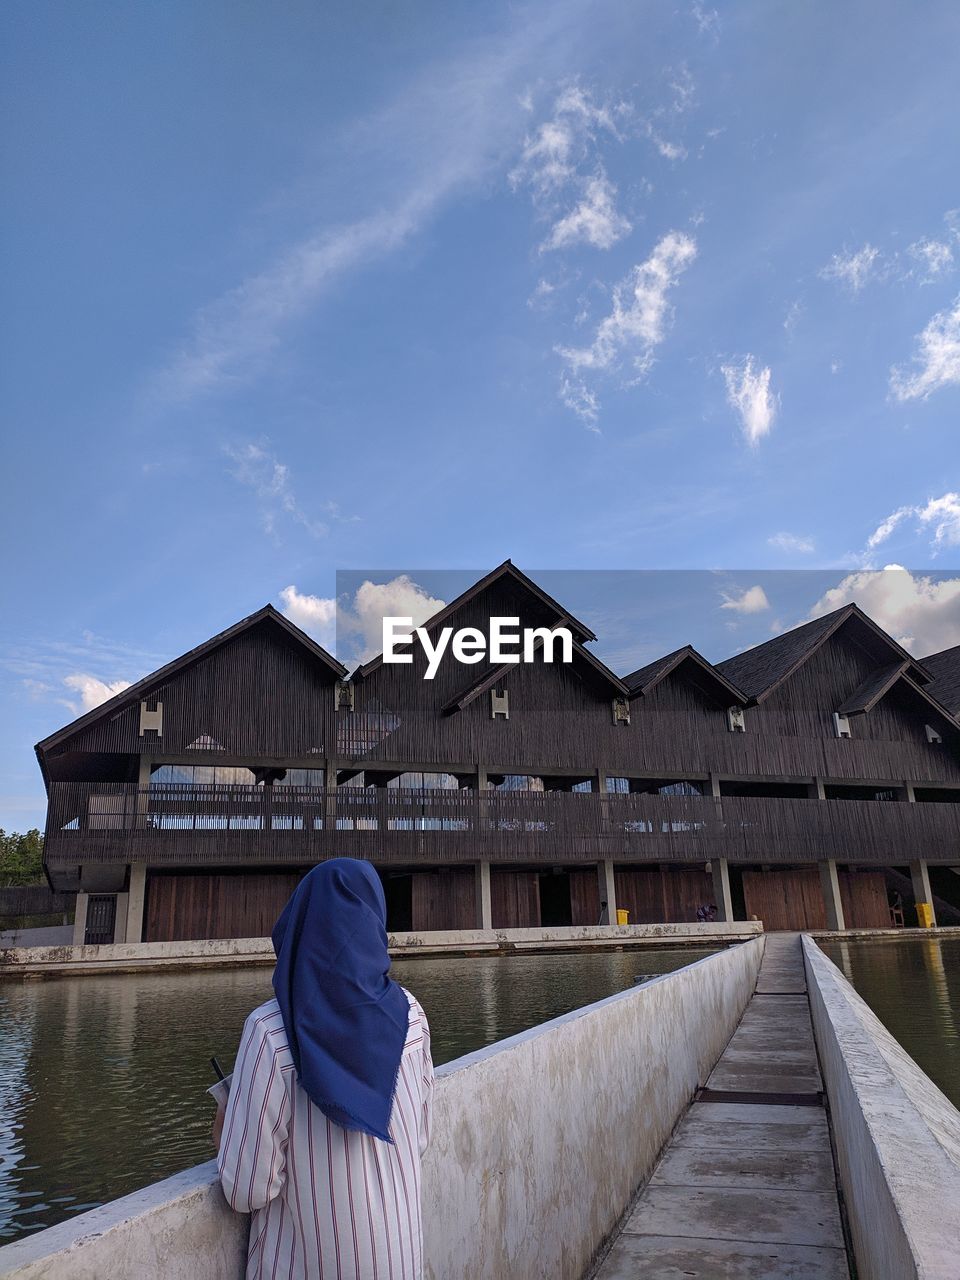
(326, 1202)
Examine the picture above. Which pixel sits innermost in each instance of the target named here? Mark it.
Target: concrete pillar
(484, 905)
(80, 919)
(135, 899)
(715, 792)
(818, 789)
(830, 887)
(608, 891)
(720, 870)
(120, 918)
(921, 886)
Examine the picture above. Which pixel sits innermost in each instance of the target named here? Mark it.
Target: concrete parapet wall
(897, 1137)
(539, 1143)
(126, 957)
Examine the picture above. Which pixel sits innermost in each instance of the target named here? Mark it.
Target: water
(103, 1079)
(912, 984)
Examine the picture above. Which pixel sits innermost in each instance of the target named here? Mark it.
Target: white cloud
(578, 397)
(594, 221)
(707, 20)
(937, 361)
(853, 269)
(92, 690)
(934, 259)
(790, 542)
(921, 613)
(637, 323)
(401, 597)
(560, 162)
(748, 392)
(750, 600)
(257, 468)
(316, 615)
(939, 516)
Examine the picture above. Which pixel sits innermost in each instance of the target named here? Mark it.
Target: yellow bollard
(925, 915)
(623, 916)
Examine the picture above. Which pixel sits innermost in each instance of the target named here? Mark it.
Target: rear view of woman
(329, 1106)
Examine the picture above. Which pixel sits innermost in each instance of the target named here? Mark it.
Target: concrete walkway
(746, 1188)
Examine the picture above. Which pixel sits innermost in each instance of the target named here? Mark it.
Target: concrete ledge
(178, 1229)
(897, 1136)
(539, 1143)
(938, 931)
(132, 957)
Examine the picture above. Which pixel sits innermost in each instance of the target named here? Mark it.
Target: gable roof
(944, 667)
(489, 678)
(509, 570)
(872, 690)
(645, 679)
(762, 669)
(142, 687)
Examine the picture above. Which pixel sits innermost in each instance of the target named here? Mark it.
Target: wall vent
(736, 721)
(932, 735)
(151, 721)
(841, 725)
(621, 711)
(499, 704)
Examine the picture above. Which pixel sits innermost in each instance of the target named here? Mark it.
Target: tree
(21, 858)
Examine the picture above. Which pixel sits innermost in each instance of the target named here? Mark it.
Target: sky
(300, 288)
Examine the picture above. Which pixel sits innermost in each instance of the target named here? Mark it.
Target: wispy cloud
(937, 516)
(637, 323)
(561, 165)
(254, 465)
(445, 133)
(790, 542)
(594, 221)
(934, 258)
(749, 600)
(748, 392)
(854, 270)
(936, 363)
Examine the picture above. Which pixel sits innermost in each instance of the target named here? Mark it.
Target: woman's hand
(217, 1132)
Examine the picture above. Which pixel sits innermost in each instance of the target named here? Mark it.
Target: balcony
(198, 825)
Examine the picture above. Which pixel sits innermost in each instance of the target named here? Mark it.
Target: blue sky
(590, 285)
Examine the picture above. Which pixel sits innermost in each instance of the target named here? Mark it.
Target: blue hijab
(345, 1019)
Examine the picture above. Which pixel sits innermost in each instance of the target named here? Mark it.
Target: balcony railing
(196, 824)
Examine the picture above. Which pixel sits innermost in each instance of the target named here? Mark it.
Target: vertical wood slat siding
(785, 899)
(864, 898)
(444, 900)
(185, 907)
(584, 897)
(515, 899)
(661, 895)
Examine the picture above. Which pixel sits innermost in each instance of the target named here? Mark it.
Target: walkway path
(746, 1188)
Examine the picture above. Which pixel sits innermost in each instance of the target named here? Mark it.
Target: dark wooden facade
(660, 796)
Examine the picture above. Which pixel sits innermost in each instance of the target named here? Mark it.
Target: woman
(330, 1099)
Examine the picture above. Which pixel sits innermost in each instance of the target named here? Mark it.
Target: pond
(103, 1079)
(913, 986)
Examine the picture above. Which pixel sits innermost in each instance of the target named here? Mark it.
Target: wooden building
(806, 782)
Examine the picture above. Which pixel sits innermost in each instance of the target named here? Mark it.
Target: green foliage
(21, 858)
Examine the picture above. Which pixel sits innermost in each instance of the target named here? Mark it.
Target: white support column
(80, 919)
(830, 886)
(135, 900)
(921, 887)
(608, 891)
(484, 903)
(720, 870)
